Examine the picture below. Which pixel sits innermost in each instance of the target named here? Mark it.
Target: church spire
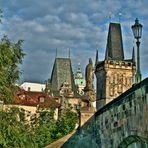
(114, 48)
(97, 57)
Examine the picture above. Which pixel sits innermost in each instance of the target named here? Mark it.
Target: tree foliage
(11, 55)
(42, 130)
(14, 131)
(50, 130)
(66, 123)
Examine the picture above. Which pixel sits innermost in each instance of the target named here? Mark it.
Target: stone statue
(89, 75)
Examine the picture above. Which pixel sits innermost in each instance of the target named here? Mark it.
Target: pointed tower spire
(79, 65)
(133, 55)
(97, 60)
(114, 48)
(78, 74)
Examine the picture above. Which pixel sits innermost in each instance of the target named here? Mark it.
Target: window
(42, 99)
(123, 107)
(130, 104)
(29, 89)
(135, 109)
(115, 124)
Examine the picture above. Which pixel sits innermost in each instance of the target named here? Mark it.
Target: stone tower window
(111, 91)
(119, 88)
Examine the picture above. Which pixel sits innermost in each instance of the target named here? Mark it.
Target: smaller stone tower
(115, 74)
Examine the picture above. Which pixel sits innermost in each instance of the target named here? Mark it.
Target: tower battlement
(113, 64)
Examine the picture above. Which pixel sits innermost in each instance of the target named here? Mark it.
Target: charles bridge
(121, 123)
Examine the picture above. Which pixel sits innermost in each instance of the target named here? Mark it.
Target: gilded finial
(110, 16)
(119, 15)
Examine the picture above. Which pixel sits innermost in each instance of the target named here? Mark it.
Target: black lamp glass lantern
(137, 29)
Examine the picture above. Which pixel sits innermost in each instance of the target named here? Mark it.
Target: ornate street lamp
(137, 31)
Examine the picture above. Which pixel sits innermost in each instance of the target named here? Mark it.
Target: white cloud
(79, 25)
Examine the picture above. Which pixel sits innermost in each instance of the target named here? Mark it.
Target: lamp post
(137, 31)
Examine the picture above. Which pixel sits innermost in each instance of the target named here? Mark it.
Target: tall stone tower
(61, 74)
(115, 74)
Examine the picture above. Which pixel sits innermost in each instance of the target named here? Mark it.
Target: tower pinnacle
(114, 48)
(97, 60)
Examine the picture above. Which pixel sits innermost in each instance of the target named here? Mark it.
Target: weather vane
(110, 16)
(119, 15)
(79, 64)
(79, 61)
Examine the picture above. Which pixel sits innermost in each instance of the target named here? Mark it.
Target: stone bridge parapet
(120, 123)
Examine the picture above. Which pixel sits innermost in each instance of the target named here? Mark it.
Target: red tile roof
(33, 99)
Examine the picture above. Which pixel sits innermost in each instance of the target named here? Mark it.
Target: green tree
(11, 55)
(47, 130)
(67, 123)
(44, 126)
(14, 130)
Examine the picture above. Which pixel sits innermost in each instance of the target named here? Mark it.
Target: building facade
(37, 87)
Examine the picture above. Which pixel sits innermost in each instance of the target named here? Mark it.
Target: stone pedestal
(87, 105)
(88, 98)
(85, 114)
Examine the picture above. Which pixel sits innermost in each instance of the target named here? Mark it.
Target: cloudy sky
(80, 25)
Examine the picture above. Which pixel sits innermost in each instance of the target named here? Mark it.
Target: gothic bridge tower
(115, 74)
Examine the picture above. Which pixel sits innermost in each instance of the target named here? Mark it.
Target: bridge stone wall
(125, 116)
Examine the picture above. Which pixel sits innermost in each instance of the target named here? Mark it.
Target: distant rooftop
(37, 87)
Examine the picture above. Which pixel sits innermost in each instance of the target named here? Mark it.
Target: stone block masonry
(119, 123)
